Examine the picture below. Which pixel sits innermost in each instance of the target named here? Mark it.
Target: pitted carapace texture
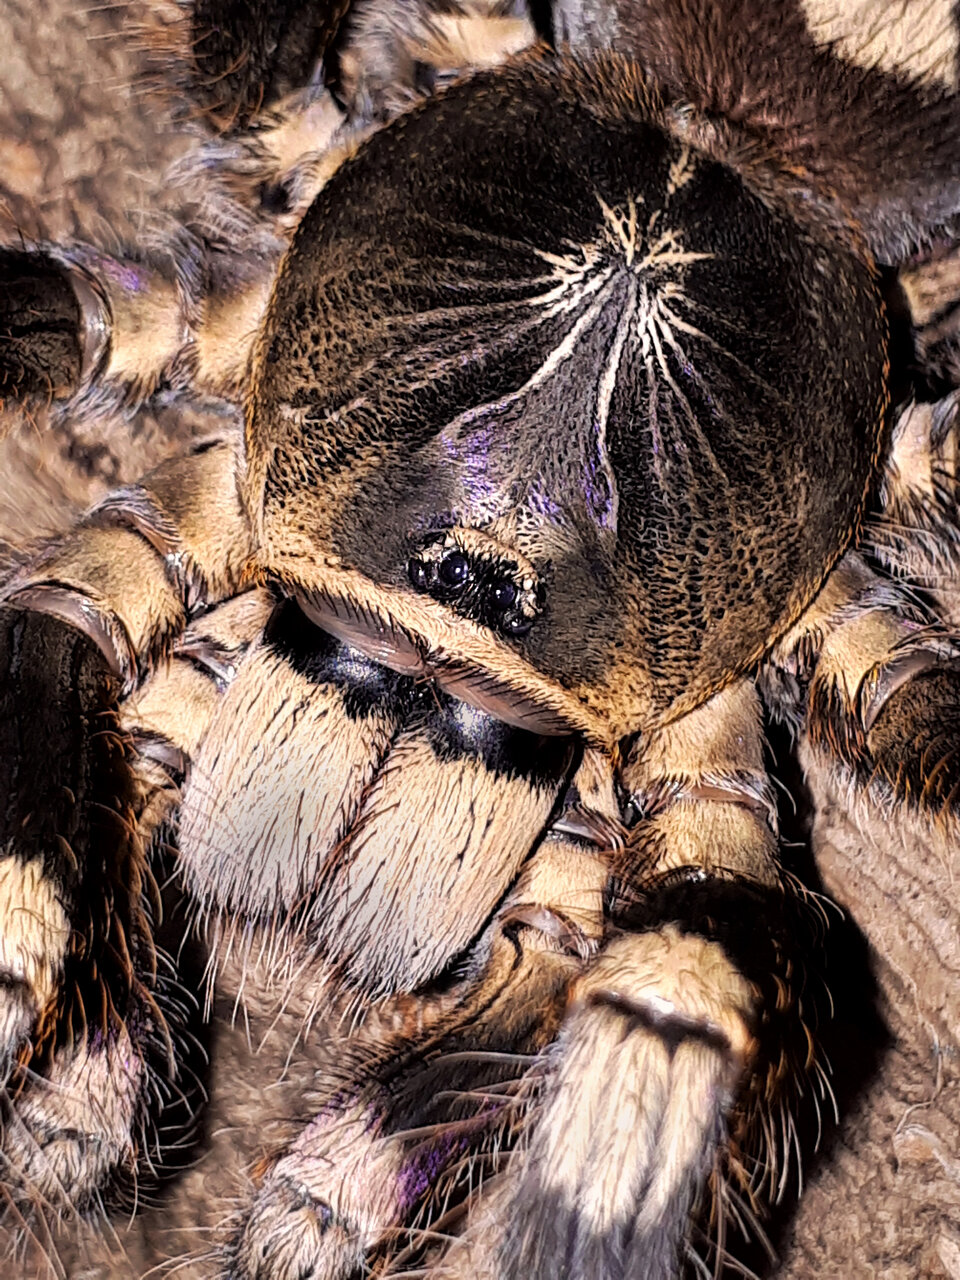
(586, 338)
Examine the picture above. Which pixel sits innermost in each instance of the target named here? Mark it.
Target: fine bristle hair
(885, 147)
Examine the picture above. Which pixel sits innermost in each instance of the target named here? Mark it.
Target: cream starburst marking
(651, 322)
(655, 323)
(572, 272)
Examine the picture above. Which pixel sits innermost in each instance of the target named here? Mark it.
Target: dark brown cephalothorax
(569, 426)
(579, 335)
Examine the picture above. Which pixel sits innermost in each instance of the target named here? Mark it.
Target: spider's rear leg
(85, 999)
(681, 1036)
(237, 64)
(393, 53)
(234, 62)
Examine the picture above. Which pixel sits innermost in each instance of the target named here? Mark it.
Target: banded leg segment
(89, 1021)
(678, 1037)
(86, 995)
(84, 624)
(94, 330)
(876, 683)
(134, 570)
(871, 672)
(422, 1101)
(118, 1104)
(72, 866)
(702, 795)
(705, 856)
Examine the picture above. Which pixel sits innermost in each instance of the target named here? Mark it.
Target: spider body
(582, 222)
(564, 408)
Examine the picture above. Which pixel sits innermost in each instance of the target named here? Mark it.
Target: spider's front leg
(682, 1040)
(427, 808)
(416, 1108)
(88, 1029)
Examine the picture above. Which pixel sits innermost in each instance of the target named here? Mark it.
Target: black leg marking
(67, 813)
(41, 349)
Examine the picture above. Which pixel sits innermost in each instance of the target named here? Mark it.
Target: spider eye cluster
(493, 589)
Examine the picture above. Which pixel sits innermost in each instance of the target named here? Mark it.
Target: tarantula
(583, 425)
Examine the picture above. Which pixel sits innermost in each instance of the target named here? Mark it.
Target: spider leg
(871, 673)
(94, 330)
(94, 1016)
(141, 561)
(238, 66)
(680, 1036)
(385, 58)
(916, 534)
(389, 867)
(418, 1105)
(394, 53)
(88, 999)
(228, 64)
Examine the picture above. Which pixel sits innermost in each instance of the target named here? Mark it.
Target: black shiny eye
(504, 593)
(454, 569)
(420, 574)
(515, 624)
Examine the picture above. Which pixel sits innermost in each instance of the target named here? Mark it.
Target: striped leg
(875, 680)
(94, 329)
(682, 1038)
(422, 1102)
(94, 1023)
